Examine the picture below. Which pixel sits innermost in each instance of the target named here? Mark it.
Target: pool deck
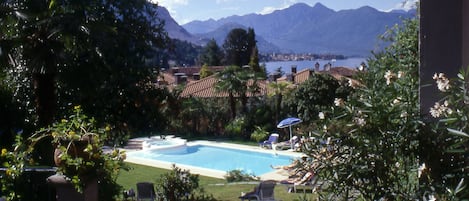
(276, 174)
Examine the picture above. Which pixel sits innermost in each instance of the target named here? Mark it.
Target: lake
(300, 65)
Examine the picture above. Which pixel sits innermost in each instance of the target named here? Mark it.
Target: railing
(32, 184)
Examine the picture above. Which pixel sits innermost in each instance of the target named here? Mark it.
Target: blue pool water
(218, 158)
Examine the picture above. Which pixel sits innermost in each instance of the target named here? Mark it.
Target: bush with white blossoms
(445, 152)
(369, 150)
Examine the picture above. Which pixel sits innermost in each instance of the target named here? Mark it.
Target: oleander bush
(366, 145)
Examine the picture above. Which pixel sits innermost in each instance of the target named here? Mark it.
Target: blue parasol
(288, 122)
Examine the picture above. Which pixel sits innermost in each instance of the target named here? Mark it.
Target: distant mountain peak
(368, 8)
(305, 29)
(319, 5)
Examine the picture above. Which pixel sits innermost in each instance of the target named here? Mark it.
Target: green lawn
(219, 188)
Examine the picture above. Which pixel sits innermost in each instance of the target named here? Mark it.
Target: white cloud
(267, 10)
(406, 5)
(270, 9)
(170, 5)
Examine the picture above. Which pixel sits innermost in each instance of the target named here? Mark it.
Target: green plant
(180, 185)
(366, 146)
(259, 134)
(240, 175)
(235, 127)
(444, 169)
(79, 154)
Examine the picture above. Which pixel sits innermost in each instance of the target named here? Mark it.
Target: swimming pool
(217, 158)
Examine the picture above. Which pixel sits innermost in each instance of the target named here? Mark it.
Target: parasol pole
(291, 144)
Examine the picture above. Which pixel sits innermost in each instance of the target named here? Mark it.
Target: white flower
(389, 76)
(435, 110)
(321, 115)
(442, 81)
(396, 101)
(421, 169)
(404, 114)
(400, 74)
(350, 83)
(339, 102)
(360, 121)
(431, 198)
(441, 110)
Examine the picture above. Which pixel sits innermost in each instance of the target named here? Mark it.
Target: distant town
(298, 57)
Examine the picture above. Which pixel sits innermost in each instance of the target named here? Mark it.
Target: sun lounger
(263, 192)
(287, 144)
(273, 138)
(146, 191)
(307, 181)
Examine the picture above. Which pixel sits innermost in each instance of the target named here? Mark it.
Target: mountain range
(299, 28)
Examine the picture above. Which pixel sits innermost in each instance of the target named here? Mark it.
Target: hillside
(302, 28)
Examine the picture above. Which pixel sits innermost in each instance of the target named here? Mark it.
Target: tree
(85, 52)
(205, 72)
(211, 54)
(236, 46)
(277, 90)
(317, 93)
(367, 146)
(229, 82)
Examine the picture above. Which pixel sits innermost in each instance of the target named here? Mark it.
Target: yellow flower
(108, 128)
(4, 152)
(77, 107)
(8, 172)
(64, 121)
(72, 133)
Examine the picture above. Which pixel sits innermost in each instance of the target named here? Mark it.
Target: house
(205, 88)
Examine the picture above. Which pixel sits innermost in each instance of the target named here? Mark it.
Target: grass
(219, 188)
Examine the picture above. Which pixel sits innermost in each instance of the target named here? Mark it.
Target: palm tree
(229, 82)
(54, 46)
(277, 90)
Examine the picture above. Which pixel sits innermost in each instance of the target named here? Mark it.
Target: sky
(184, 11)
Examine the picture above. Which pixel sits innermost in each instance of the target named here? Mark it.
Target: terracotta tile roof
(336, 72)
(205, 88)
(191, 70)
(303, 75)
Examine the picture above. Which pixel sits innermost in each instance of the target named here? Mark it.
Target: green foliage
(312, 96)
(444, 169)
(259, 134)
(211, 55)
(180, 185)
(205, 72)
(97, 54)
(367, 145)
(79, 154)
(235, 127)
(238, 46)
(183, 53)
(240, 175)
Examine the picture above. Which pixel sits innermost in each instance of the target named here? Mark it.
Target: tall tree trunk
(244, 103)
(45, 97)
(278, 107)
(232, 106)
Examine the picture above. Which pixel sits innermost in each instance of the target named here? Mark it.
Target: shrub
(259, 134)
(180, 185)
(240, 175)
(367, 145)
